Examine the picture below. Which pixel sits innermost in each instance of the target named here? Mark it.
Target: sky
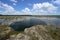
(30, 7)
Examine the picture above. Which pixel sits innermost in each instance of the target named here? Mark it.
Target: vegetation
(5, 33)
(18, 16)
(54, 32)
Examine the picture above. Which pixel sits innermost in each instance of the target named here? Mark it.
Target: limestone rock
(4, 33)
(34, 33)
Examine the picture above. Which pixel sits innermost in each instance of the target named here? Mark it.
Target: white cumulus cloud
(37, 9)
(14, 2)
(7, 9)
(56, 1)
(43, 8)
(26, 11)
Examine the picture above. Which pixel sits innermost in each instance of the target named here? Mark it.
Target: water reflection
(26, 22)
(19, 26)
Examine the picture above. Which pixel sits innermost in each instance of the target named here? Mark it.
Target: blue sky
(30, 7)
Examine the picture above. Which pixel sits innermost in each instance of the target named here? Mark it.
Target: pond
(32, 21)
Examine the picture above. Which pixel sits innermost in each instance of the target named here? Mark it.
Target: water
(20, 24)
(29, 22)
(2, 21)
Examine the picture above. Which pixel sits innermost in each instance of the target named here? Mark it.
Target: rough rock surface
(34, 33)
(4, 33)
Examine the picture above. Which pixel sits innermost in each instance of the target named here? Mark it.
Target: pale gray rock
(4, 32)
(34, 33)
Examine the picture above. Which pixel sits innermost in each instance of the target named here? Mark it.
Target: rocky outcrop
(4, 33)
(34, 33)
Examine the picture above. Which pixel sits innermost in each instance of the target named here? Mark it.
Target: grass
(11, 32)
(55, 33)
(16, 16)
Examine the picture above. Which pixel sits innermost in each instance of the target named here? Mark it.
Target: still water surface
(26, 22)
(29, 22)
